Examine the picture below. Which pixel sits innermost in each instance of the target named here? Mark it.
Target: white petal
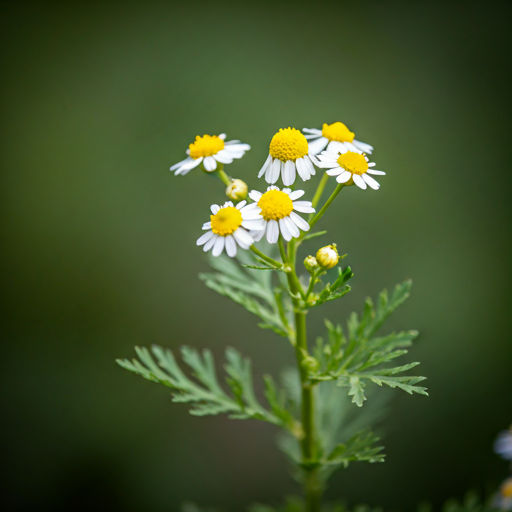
(363, 146)
(309, 166)
(335, 171)
(336, 147)
(207, 225)
(251, 211)
(227, 203)
(210, 164)
(313, 136)
(301, 169)
(299, 221)
(284, 230)
(352, 148)
(296, 194)
(214, 208)
(190, 165)
(374, 171)
(218, 246)
(359, 181)
(272, 187)
(208, 245)
(232, 142)
(241, 204)
(243, 239)
(223, 157)
(344, 177)
(203, 239)
(222, 136)
(255, 195)
(254, 224)
(289, 173)
(292, 227)
(287, 190)
(272, 231)
(237, 148)
(371, 182)
(372, 164)
(317, 145)
(179, 164)
(230, 246)
(314, 160)
(303, 206)
(273, 175)
(268, 162)
(311, 130)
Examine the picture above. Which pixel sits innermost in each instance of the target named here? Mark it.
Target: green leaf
(360, 447)
(206, 396)
(250, 289)
(363, 358)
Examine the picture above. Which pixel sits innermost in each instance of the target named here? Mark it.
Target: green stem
(312, 485)
(311, 284)
(222, 175)
(292, 274)
(265, 257)
(320, 214)
(319, 190)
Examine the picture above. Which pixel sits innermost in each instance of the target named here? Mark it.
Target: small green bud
(237, 190)
(310, 263)
(311, 364)
(327, 257)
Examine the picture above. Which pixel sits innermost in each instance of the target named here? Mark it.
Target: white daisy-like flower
(503, 444)
(336, 132)
(288, 155)
(226, 228)
(276, 210)
(209, 150)
(349, 166)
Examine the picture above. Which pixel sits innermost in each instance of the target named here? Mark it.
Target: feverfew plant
(263, 230)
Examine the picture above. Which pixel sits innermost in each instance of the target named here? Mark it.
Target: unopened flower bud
(327, 257)
(310, 263)
(237, 190)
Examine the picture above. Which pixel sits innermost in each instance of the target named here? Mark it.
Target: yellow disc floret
(275, 205)
(353, 162)
(506, 488)
(288, 144)
(226, 221)
(338, 132)
(206, 146)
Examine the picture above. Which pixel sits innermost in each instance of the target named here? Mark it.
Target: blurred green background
(98, 253)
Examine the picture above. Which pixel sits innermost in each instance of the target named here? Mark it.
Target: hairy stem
(312, 485)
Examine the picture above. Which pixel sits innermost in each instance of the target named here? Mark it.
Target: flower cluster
(273, 213)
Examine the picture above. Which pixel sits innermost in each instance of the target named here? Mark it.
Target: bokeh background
(98, 99)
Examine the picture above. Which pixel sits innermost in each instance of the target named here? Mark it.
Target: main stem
(312, 485)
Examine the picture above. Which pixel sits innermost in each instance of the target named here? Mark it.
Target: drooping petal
(210, 164)
(243, 239)
(254, 224)
(203, 239)
(292, 227)
(344, 177)
(208, 245)
(230, 246)
(179, 164)
(374, 171)
(268, 162)
(311, 130)
(363, 146)
(301, 169)
(275, 171)
(299, 221)
(289, 173)
(272, 231)
(284, 230)
(309, 166)
(218, 246)
(207, 225)
(371, 182)
(359, 181)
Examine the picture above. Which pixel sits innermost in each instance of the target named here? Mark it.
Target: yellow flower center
(288, 144)
(205, 146)
(226, 221)
(506, 488)
(338, 132)
(275, 205)
(353, 162)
